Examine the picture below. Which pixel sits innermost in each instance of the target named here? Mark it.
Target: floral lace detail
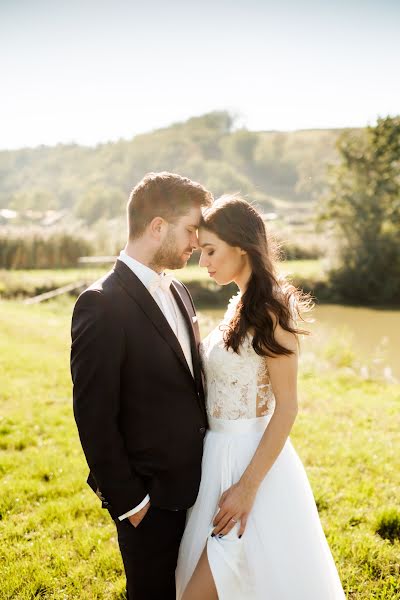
(265, 396)
(238, 385)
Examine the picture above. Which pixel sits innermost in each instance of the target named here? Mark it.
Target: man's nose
(195, 241)
(202, 261)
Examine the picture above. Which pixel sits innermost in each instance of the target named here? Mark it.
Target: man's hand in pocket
(137, 517)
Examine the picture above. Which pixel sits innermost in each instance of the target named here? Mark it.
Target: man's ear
(157, 227)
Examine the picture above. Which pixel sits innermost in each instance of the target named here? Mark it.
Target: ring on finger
(234, 520)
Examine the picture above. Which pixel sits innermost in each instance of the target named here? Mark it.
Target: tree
(99, 203)
(363, 206)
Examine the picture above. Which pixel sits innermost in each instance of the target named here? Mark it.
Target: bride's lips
(211, 274)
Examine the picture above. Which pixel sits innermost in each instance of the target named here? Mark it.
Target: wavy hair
(268, 299)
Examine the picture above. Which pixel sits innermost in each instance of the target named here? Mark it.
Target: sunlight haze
(98, 71)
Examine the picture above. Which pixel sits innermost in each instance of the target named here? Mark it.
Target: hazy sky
(91, 71)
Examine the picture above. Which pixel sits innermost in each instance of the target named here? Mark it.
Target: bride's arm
(237, 501)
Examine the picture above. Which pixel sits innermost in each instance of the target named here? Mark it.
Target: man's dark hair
(165, 195)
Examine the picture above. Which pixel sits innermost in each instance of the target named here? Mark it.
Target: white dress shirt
(172, 313)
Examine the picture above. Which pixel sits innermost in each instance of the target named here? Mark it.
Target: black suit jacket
(139, 411)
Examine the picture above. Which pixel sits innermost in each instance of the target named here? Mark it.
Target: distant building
(7, 215)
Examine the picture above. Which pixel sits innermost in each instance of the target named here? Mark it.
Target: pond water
(372, 334)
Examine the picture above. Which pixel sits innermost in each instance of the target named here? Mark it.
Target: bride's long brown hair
(269, 299)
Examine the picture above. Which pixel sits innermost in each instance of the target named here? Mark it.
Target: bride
(254, 532)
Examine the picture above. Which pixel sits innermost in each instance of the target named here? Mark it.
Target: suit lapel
(149, 306)
(185, 305)
(181, 296)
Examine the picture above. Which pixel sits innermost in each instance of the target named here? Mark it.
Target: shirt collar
(144, 273)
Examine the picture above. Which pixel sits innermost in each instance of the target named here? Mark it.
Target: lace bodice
(238, 385)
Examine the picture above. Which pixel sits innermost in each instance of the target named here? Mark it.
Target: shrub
(388, 525)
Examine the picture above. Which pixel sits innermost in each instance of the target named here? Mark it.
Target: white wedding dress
(283, 553)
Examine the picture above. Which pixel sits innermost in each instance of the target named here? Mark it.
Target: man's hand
(137, 517)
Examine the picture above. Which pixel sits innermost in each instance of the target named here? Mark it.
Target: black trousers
(150, 552)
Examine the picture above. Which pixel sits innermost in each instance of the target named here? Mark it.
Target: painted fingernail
(240, 537)
(221, 535)
(213, 535)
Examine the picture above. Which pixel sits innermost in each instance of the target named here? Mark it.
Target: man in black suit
(138, 394)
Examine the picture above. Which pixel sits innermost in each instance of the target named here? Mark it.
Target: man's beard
(168, 256)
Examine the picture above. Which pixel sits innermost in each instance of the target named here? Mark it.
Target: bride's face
(223, 262)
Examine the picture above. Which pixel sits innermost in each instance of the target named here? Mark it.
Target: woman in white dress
(254, 532)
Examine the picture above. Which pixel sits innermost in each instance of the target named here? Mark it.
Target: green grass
(26, 282)
(57, 543)
(302, 268)
(29, 282)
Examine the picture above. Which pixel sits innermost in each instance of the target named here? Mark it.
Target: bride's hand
(235, 505)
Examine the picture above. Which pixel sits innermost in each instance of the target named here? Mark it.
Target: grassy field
(30, 282)
(56, 542)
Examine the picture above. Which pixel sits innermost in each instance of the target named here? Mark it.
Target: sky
(88, 72)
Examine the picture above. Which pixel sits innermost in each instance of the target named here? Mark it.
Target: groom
(138, 395)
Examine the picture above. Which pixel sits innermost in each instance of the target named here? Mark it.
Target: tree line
(350, 178)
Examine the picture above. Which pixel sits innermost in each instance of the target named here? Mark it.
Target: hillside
(277, 169)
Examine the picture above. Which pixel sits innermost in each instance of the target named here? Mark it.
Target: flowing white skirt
(283, 553)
